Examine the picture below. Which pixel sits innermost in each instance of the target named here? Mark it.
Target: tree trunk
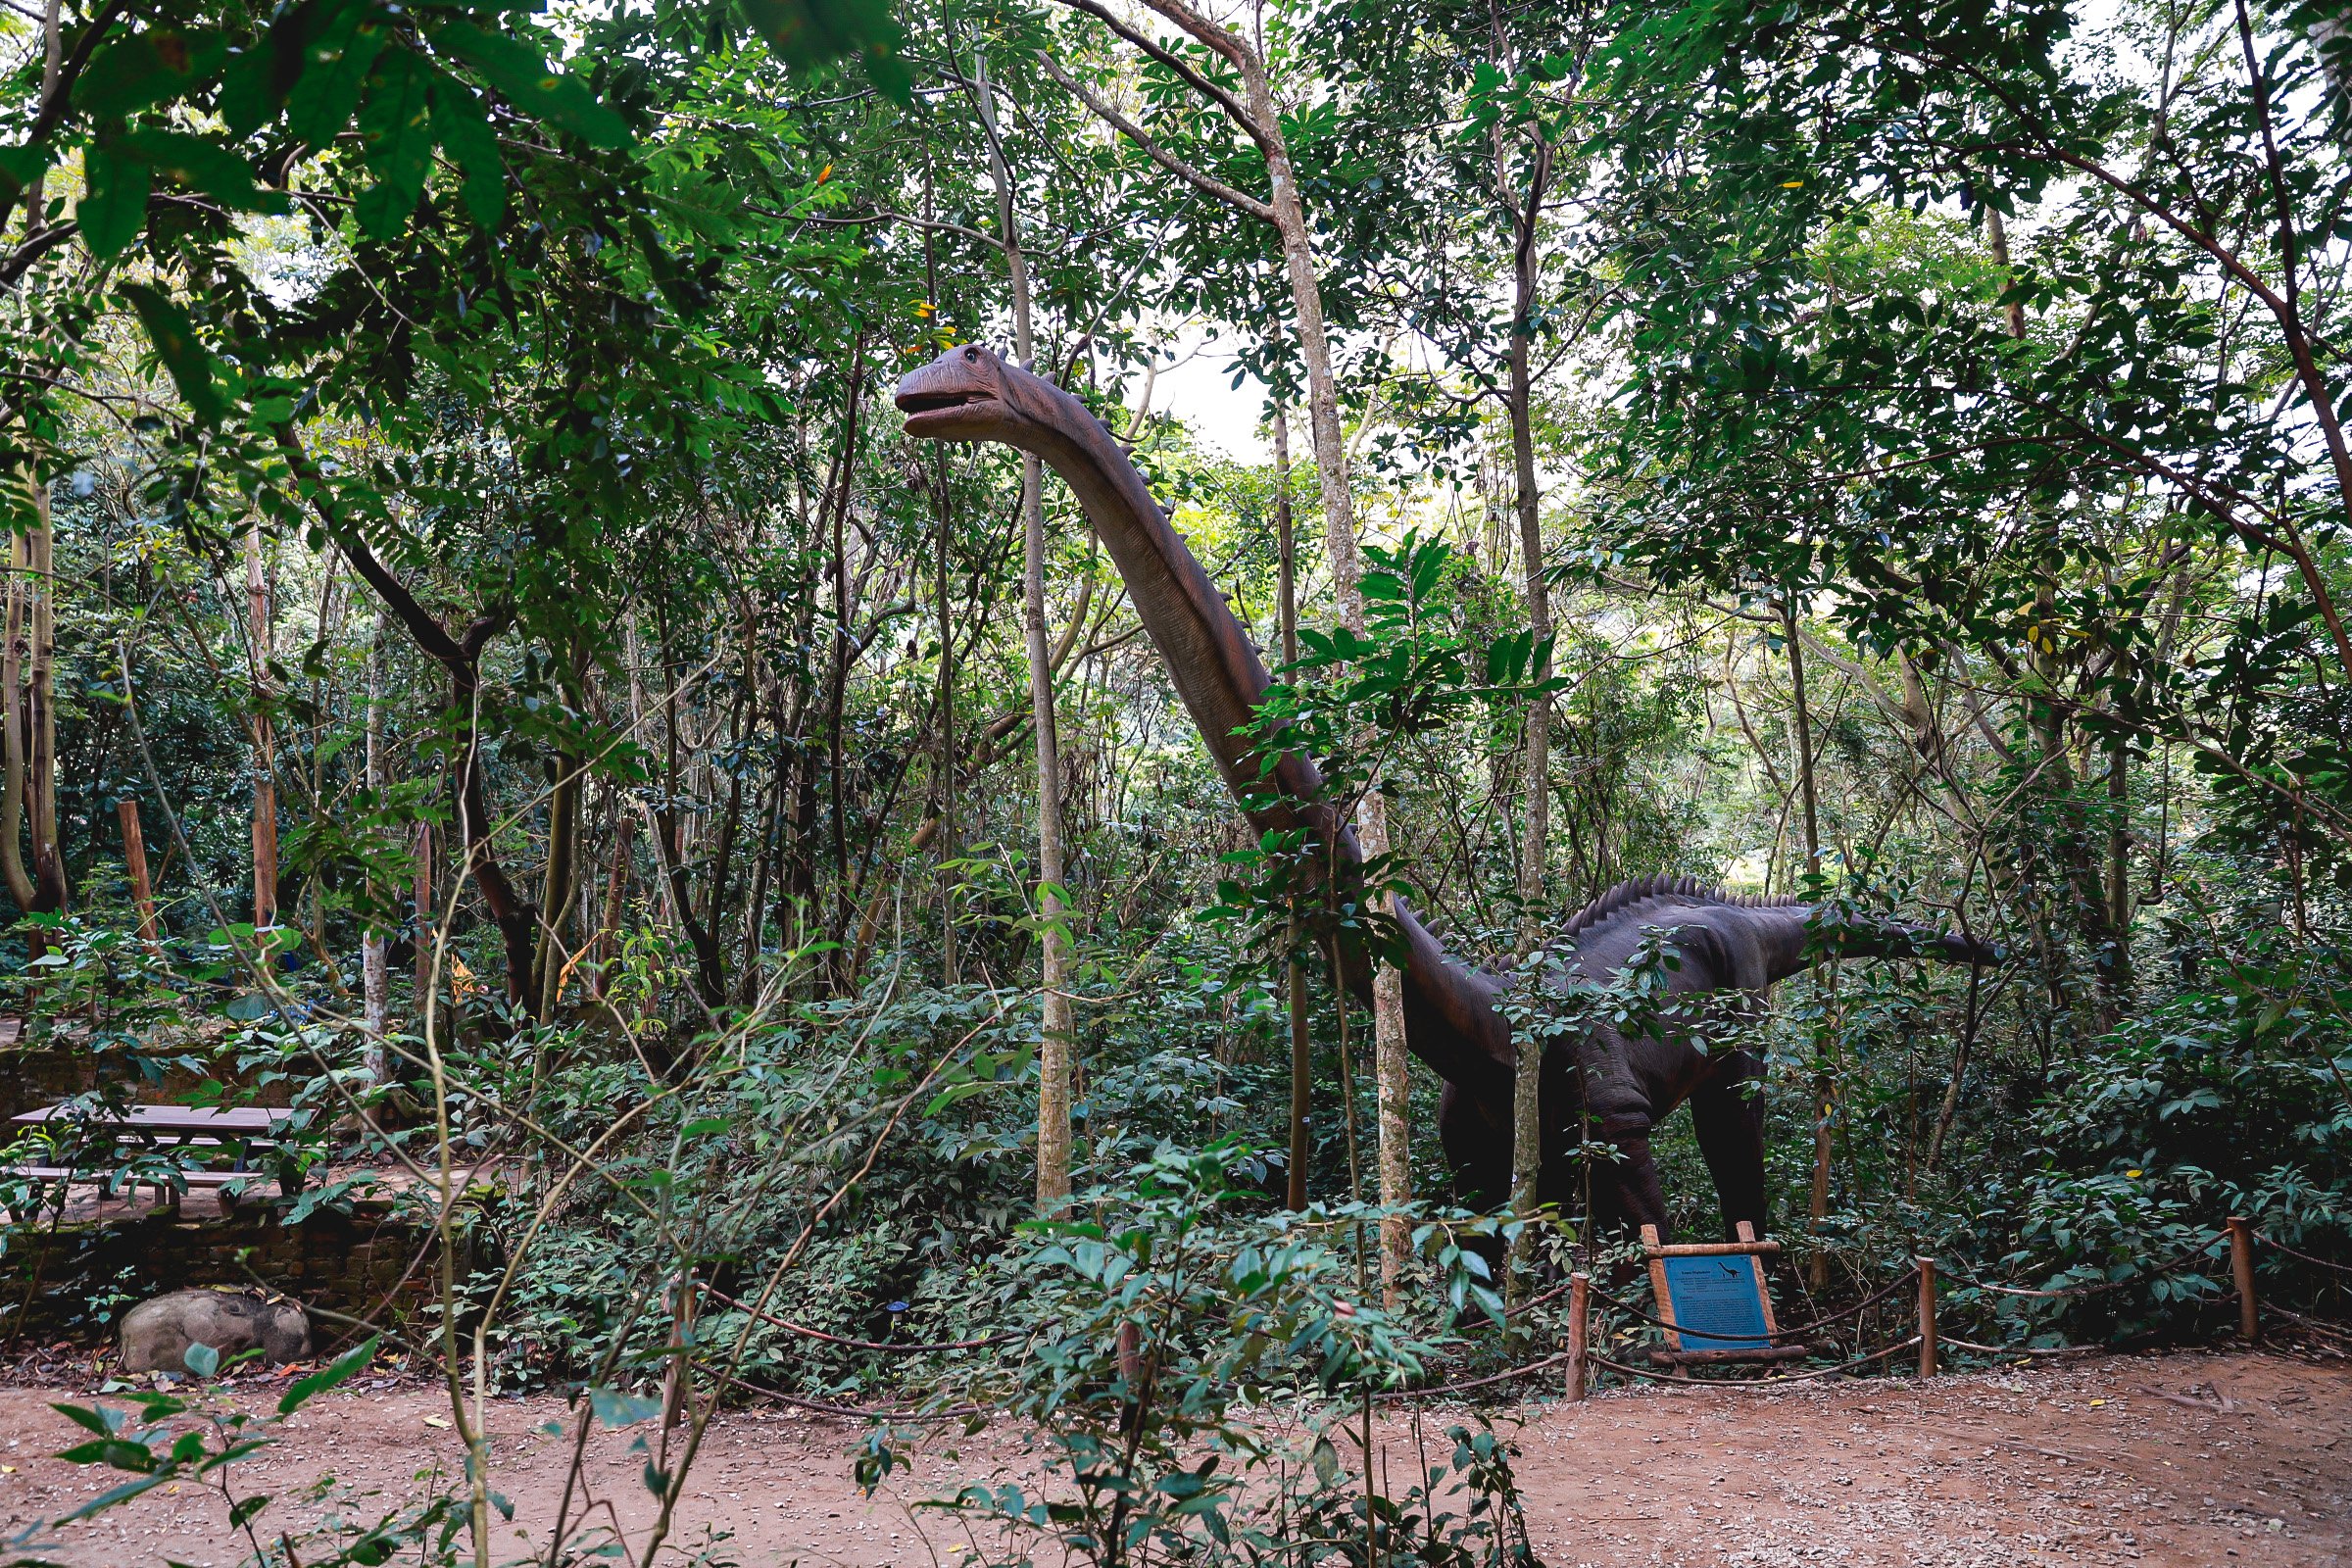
(260, 640)
(375, 979)
(428, 933)
(1055, 1047)
(616, 892)
(1527, 1078)
(1391, 1065)
(1825, 1087)
(1303, 1067)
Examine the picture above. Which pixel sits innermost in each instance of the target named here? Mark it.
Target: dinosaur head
(969, 394)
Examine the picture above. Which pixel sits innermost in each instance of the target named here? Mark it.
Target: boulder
(157, 1333)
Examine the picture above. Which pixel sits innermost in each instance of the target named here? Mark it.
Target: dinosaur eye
(972, 354)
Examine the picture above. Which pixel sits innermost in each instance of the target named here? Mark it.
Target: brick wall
(76, 1282)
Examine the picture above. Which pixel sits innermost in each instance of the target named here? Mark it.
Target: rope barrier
(1754, 1388)
(2270, 1241)
(1443, 1389)
(2096, 1288)
(851, 1412)
(2312, 1324)
(2014, 1349)
(859, 1345)
(1533, 1302)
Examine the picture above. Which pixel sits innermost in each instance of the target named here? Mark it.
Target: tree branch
(1191, 78)
(1208, 186)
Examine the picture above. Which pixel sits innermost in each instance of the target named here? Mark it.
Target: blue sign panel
(1718, 1303)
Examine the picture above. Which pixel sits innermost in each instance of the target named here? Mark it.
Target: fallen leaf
(436, 1421)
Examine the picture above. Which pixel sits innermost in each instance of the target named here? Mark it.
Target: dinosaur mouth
(933, 402)
(942, 410)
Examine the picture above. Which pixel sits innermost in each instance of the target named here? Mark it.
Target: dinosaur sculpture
(1620, 1087)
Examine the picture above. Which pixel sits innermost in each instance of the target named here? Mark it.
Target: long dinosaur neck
(1450, 1019)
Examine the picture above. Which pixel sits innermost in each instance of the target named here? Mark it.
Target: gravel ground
(2193, 1461)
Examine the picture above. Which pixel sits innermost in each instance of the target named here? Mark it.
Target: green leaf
(813, 32)
(532, 85)
(614, 1408)
(395, 142)
(103, 1421)
(204, 167)
(343, 1368)
(252, 89)
(120, 1453)
(462, 123)
(115, 208)
(121, 1493)
(20, 166)
(240, 1515)
(335, 66)
(175, 344)
(146, 68)
(202, 1359)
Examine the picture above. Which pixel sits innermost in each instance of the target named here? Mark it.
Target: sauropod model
(1622, 1088)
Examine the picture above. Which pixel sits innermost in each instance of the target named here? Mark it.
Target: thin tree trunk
(261, 639)
(616, 892)
(13, 715)
(1527, 1078)
(1054, 1051)
(1391, 1063)
(1824, 1088)
(1302, 1066)
(134, 863)
(427, 932)
(375, 979)
(2119, 856)
(1259, 112)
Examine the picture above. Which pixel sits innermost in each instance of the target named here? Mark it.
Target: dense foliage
(585, 750)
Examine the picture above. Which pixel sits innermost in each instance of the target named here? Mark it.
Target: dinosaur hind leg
(1727, 1113)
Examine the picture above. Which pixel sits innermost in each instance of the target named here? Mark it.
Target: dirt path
(2249, 1464)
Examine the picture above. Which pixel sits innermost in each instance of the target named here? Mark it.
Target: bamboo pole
(134, 860)
(2241, 1267)
(1579, 1330)
(1926, 1316)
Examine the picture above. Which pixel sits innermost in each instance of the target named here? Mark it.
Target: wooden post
(134, 860)
(1580, 1328)
(1926, 1317)
(2241, 1266)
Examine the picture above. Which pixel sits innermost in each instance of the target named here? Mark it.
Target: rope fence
(2239, 1238)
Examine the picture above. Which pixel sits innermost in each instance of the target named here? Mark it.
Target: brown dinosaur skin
(1452, 1021)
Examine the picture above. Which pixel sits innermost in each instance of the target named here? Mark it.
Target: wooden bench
(177, 1129)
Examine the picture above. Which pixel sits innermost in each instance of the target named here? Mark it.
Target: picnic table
(239, 1131)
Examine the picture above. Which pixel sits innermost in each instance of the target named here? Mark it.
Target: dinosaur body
(1625, 1087)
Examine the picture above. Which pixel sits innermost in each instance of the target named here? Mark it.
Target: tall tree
(1257, 113)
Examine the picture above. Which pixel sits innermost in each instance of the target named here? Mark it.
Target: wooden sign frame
(1707, 1350)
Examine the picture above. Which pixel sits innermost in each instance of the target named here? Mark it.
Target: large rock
(157, 1333)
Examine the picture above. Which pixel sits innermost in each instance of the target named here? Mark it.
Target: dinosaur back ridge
(1625, 895)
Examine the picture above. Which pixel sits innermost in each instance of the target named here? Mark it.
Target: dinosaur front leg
(1727, 1113)
(1630, 1196)
(1478, 1147)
